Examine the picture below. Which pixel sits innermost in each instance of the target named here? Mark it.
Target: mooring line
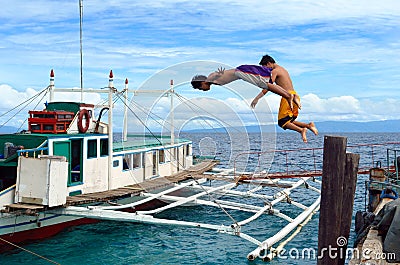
(30, 252)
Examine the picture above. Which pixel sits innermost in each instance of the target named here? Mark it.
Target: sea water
(111, 242)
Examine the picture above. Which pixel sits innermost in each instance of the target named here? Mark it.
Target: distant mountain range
(8, 129)
(324, 126)
(372, 126)
(335, 126)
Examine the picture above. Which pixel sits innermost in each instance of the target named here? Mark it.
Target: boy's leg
(301, 130)
(282, 92)
(311, 126)
(263, 83)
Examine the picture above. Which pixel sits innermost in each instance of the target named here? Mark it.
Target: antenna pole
(125, 133)
(80, 39)
(171, 92)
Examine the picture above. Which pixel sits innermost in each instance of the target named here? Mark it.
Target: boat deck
(195, 171)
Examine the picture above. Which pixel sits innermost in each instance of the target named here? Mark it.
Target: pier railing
(301, 162)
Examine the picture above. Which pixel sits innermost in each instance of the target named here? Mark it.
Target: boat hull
(23, 229)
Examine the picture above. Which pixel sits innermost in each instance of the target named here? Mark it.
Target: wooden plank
(25, 206)
(147, 185)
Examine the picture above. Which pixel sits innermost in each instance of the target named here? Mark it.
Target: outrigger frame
(204, 196)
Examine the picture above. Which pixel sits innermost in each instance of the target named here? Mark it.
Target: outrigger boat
(66, 170)
(66, 153)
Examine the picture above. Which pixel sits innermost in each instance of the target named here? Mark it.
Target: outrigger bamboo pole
(280, 247)
(281, 196)
(266, 244)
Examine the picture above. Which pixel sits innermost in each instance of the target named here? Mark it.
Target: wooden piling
(349, 190)
(339, 175)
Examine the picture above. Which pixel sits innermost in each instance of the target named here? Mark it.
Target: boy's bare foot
(296, 100)
(304, 134)
(312, 128)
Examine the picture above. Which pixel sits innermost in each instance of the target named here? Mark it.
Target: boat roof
(135, 142)
(66, 106)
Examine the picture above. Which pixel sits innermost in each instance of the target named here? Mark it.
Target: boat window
(115, 163)
(136, 160)
(187, 150)
(126, 162)
(92, 148)
(161, 156)
(48, 127)
(103, 147)
(35, 127)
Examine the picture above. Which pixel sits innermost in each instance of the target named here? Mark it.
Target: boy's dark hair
(196, 81)
(266, 59)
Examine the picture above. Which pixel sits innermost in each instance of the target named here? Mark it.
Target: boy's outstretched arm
(260, 95)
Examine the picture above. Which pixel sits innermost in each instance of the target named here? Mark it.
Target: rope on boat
(216, 202)
(184, 101)
(30, 252)
(37, 104)
(155, 137)
(27, 102)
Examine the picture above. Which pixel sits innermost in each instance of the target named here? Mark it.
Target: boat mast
(80, 39)
(110, 126)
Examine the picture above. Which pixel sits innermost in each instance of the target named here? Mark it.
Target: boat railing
(396, 161)
(33, 152)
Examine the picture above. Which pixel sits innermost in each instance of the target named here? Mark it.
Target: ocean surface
(128, 243)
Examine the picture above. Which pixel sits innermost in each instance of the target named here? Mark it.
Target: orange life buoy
(83, 112)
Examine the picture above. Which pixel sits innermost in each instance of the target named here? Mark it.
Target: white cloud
(331, 48)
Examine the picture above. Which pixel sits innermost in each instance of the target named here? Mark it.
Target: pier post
(339, 176)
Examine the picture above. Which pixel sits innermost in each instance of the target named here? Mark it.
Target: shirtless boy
(287, 115)
(254, 74)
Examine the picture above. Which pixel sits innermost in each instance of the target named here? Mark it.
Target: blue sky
(343, 56)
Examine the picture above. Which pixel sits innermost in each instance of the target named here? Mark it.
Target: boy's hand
(254, 103)
(221, 71)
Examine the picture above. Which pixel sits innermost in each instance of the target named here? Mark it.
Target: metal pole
(125, 133)
(172, 112)
(51, 86)
(80, 38)
(110, 127)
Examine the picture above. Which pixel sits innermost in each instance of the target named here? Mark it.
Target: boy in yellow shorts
(287, 115)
